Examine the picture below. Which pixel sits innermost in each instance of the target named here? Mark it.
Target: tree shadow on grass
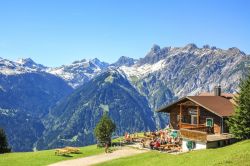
(65, 155)
(76, 153)
(68, 155)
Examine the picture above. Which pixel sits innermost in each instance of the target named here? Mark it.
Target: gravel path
(91, 160)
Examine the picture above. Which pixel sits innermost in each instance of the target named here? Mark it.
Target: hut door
(193, 119)
(209, 122)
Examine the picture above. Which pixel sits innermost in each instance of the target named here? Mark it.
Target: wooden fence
(194, 134)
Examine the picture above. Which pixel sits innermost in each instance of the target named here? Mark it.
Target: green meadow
(44, 157)
(234, 155)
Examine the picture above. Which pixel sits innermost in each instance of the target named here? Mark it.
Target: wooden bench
(168, 147)
(72, 149)
(67, 150)
(61, 152)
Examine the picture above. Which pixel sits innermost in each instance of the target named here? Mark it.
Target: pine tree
(104, 129)
(239, 123)
(3, 142)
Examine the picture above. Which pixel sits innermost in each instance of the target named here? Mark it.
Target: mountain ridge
(161, 77)
(108, 92)
(81, 71)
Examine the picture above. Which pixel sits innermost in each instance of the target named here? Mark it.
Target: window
(191, 145)
(178, 118)
(209, 122)
(193, 119)
(192, 111)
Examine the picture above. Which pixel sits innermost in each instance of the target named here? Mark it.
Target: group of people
(153, 144)
(129, 138)
(155, 139)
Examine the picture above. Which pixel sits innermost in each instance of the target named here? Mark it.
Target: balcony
(194, 134)
(200, 127)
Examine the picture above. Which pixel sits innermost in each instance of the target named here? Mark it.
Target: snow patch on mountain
(172, 61)
(8, 67)
(143, 70)
(78, 72)
(8, 112)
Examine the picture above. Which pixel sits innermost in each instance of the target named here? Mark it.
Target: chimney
(217, 90)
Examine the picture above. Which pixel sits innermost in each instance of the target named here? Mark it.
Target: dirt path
(124, 152)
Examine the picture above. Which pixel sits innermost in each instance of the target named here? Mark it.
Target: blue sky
(56, 32)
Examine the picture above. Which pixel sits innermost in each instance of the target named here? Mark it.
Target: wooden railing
(194, 134)
(188, 125)
(199, 127)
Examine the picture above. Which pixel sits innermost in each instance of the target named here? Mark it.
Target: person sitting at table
(152, 144)
(142, 143)
(163, 141)
(173, 140)
(177, 140)
(162, 135)
(169, 139)
(166, 133)
(157, 145)
(147, 143)
(157, 133)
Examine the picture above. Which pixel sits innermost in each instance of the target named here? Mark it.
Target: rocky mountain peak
(124, 61)
(25, 61)
(206, 46)
(79, 61)
(113, 75)
(235, 50)
(99, 63)
(155, 54)
(95, 60)
(190, 46)
(79, 72)
(155, 48)
(28, 62)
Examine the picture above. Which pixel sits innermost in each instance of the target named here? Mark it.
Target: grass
(236, 154)
(45, 157)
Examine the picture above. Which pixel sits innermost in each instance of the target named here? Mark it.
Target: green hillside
(43, 157)
(237, 154)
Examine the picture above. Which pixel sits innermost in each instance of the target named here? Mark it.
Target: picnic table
(167, 147)
(67, 150)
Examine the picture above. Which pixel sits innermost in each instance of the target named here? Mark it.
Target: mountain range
(61, 106)
(108, 92)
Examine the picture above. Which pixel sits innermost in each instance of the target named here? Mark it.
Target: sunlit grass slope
(43, 157)
(236, 154)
